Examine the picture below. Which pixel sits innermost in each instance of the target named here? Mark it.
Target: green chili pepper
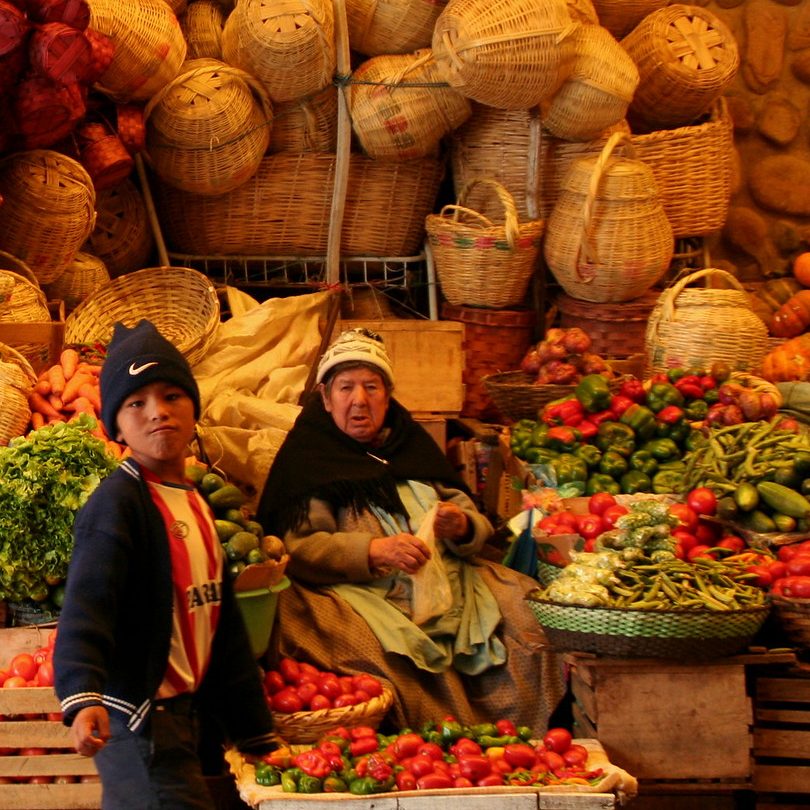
(450, 730)
(483, 730)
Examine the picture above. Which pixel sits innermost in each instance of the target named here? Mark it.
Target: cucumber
(757, 521)
(746, 496)
(228, 496)
(727, 508)
(784, 523)
(226, 529)
(783, 499)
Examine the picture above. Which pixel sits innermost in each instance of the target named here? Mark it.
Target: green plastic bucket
(259, 612)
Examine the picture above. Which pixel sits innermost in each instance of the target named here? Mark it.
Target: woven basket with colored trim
(480, 262)
(307, 727)
(181, 302)
(628, 633)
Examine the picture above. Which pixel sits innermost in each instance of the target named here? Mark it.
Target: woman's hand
(450, 523)
(402, 551)
(90, 730)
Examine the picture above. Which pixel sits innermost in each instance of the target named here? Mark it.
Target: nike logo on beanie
(135, 370)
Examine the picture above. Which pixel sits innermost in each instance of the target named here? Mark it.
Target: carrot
(114, 449)
(37, 420)
(69, 360)
(93, 394)
(79, 405)
(42, 405)
(73, 385)
(43, 386)
(56, 401)
(89, 368)
(57, 379)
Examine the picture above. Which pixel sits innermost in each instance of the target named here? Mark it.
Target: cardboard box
(48, 334)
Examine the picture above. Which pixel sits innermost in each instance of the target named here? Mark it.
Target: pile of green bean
(744, 452)
(700, 584)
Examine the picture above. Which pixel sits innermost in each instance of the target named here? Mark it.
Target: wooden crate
(662, 720)
(782, 733)
(507, 477)
(31, 719)
(47, 333)
(427, 358)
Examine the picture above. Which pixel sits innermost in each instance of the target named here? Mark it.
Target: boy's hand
(90, 730)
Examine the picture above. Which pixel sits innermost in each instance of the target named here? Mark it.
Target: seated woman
(347, 492)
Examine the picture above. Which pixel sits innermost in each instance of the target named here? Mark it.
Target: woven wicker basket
(46, 112)
(494, 340)
(306, 124)
(510, 54)
(84, 276)
(202, 24)
(478, 262)
(181, 302)
(608, 238)
(284, 209)
(794, 617)
(288, 45)
(583, 11)
(307, 727)
(209, 128)
(517, 397)
(697, 326)
(60, 52)
(686, 57)
(596, 93)
(103, 154)
(122, 238)
(620, 17)
(692, 167)
(400, 110)
(49, 209)
(23, 302)
(149, 46)
(13, 27)
(628, 633)
(378, 27)
(17, 378)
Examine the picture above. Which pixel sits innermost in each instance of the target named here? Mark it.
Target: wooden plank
(34, 734)
(573, 801)
(28, 700)
(427, 358)
(505, 801)
(781, 778)
(51, 797)
(584, 696)
(582, 723)
(46, 765)
(784, 690)
(786, 743)
(780, 715)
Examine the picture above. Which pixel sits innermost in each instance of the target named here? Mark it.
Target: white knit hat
(356, 346)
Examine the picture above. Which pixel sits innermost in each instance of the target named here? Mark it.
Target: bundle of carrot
(65, 390)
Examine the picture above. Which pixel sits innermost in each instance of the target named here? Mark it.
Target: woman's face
(358, 401)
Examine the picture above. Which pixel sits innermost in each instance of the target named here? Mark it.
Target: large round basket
(481, 263)
(208, 129)
(517, 397)
(306, 124)
(17, 378)
(696, 326)
(307, 727)
(620, 17)
(378, 27)
(202, 24)
(85, 274)
(793, 616)
(627, 633)
(23, 301)
(181, 302)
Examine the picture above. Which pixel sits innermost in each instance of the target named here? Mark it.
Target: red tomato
(600, 501)
(557, 740)
(576, 755)
(678, 552)
(613, 513)
(361, 696)
(590, 544)
(798, 587)
(420, 765)
(763, 575)
(306, 691)
(548, 523)
(14, 682)
(329, 686)
(687, 517)
(685, 539)
(799, 566)
(491, 780)
(346, 684)
(369, 684)
(702, 501)
(44, 676)
(23, 664)
(431, 781)
(344, 699)
(707, 533)
(319, 702)
(41, 655)
(777, 569)
(405, 780)
(40, 780)
(700, 551)
(289, 669)
(566, 518)
(273, 682)
(461, 782)
(590, 526)
(287, 700)
(554, 761)
(431, 750)
(4, 673)
(787, 553)
(732, 542)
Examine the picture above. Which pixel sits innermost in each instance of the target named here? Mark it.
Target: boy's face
(157, 423)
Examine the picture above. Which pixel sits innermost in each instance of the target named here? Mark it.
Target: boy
(150, 632)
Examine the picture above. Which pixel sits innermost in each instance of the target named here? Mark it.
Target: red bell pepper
(619, 404)
(633, 388)
(587, 430)
(568, 411)
(405, 780)
(707, 382)
(520, 755)
(689, 385)
(363, 745)
(670, 415)
(407, 745)
(797, 587)
(601, 416)
(474, 766)
(312, 763)
(378, 767)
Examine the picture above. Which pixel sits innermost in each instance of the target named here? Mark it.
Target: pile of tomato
(30, 669)
(441, 755)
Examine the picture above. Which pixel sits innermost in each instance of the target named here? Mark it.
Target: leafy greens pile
(45, 477)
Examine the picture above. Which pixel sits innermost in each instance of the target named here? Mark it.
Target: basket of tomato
(306, 702)
(790, 594)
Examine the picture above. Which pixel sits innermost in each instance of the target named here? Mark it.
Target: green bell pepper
(310, 784)
(696, 410)
(616, 436)
(667, 481)
(613, 464)
(635, 481)
(540, 455)
(589, 453)
(662, 394)
(267, 775)
(593, 392)
(562, 438)
(568, 468)
(451, 730)
(362, 786)
(678, 433)
(662, 449)
(641, 419)
(644, 461)
(600, 482)
(334, 784)
(711, 395)
(539, 435)
(694, 440)
(289, 782)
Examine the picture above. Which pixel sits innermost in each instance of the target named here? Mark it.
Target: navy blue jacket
(114, 631)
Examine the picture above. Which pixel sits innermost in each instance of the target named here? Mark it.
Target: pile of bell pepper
(446, 754)
(628, 441)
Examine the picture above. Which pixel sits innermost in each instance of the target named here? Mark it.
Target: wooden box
(507, 477)
(31, 718)
(666, 721)
(428, 361)
(782, 733)
(50, 334)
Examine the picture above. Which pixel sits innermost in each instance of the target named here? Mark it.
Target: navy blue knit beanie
(135, 358)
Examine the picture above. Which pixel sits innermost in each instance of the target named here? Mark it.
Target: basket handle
(586, 248)
(511, 226)
(668, 298)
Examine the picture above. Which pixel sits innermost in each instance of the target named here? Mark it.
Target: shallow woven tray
(308, 727)
(794, 618)
(628, 633)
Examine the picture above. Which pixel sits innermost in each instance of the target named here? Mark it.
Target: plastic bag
(431, 595)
